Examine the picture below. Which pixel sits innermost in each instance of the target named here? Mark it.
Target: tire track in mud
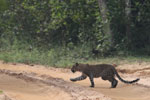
(4, 96)
(59, 78)
(129, 71)
(76, 91)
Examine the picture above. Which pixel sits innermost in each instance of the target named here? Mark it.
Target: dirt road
(24, 82)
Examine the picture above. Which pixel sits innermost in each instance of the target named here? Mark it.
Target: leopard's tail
(128, 82)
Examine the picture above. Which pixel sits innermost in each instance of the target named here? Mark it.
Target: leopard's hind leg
(109, 75)
(114, 82)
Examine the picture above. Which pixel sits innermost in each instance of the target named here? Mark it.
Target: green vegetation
(61, 32)
(1, 91)
(62, 57)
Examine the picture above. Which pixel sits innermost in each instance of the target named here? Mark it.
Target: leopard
(105, 71)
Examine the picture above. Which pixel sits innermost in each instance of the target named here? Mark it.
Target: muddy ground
(25, 82)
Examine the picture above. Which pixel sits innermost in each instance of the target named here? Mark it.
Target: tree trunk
(105, 20)
(128, 20)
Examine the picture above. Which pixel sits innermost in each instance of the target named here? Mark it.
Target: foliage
(139, 24)
(53, 22)
(71, 29)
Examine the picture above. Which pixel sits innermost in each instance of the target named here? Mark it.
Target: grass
(122, 60)
(61, 57)
(1, 91)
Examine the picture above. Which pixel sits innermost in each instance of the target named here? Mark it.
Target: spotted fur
(105, 71)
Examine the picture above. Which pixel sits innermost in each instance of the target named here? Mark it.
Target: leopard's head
(75, 67)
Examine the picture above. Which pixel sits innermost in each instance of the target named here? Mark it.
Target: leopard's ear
(77, 64)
